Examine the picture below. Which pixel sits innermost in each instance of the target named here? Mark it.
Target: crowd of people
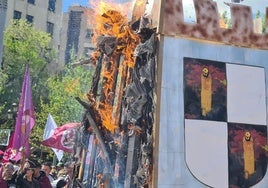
(30, 173)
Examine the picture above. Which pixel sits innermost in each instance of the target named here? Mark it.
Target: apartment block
(46, 15)
(3, 12)
(76, 34)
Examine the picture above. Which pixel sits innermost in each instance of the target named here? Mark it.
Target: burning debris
(119, 110)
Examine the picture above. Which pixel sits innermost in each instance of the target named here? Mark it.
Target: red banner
(63, 137)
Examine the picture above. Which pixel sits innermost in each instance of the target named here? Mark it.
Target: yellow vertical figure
(249, 160)
(206, 92)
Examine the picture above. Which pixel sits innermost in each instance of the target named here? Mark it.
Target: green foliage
(258, 14)
(264, 24)
(22, 43)
(263, 19)
(54, 94)
(63, 88)
(61, 102)
(3, 77)
(227, 21)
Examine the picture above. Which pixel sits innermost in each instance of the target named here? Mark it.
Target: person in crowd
(16, 164)
(60, 166)
(39, 174)
(54, 171)
(69, 167)
(46, 167)
(62, 179)
(25, 176)
(7, 180)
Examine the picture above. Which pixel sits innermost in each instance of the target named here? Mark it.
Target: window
(89, 34)
(17, 15)
(51, 5)
(3, 4)
(31, 1)
(50, 28)
(29, 18)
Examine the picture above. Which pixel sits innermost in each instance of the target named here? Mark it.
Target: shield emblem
(225, 123)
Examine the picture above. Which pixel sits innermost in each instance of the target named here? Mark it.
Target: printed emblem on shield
(225, 123)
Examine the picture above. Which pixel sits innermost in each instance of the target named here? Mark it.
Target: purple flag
(25, 117)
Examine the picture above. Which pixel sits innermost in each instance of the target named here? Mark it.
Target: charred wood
(132, 161)
(107, 44)
(138, 104)
(96, 77)
(102, 144)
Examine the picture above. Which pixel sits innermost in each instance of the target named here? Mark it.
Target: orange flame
(109, 21)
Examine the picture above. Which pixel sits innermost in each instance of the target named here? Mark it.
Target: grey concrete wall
(3, 11)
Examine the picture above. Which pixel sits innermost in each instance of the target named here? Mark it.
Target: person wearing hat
(39, 174)
(25, 177)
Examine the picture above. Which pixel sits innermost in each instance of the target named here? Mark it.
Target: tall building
(237, 1)
(76, 33)
(45, 15)
(3, 12)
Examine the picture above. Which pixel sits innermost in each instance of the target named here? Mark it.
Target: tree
(54, 94)
(263, 18)
(260, 20)
(226, 21)
(22, 43)
(2, 81)
(61, 102)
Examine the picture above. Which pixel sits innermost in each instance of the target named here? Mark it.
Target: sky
(67, 3)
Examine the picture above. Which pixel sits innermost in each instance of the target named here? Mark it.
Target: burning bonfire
(114, 146)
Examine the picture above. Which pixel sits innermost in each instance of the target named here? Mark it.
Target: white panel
(207, 152)
(246, 94)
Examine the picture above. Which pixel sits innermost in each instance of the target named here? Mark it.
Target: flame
(111, 22)
(107, 118)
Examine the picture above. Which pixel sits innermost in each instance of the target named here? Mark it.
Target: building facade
(46, 15)
(76, 34)
(3, 11)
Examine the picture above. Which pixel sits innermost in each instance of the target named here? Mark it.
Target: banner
(48, 132)
(25, 117)
(63, 137)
